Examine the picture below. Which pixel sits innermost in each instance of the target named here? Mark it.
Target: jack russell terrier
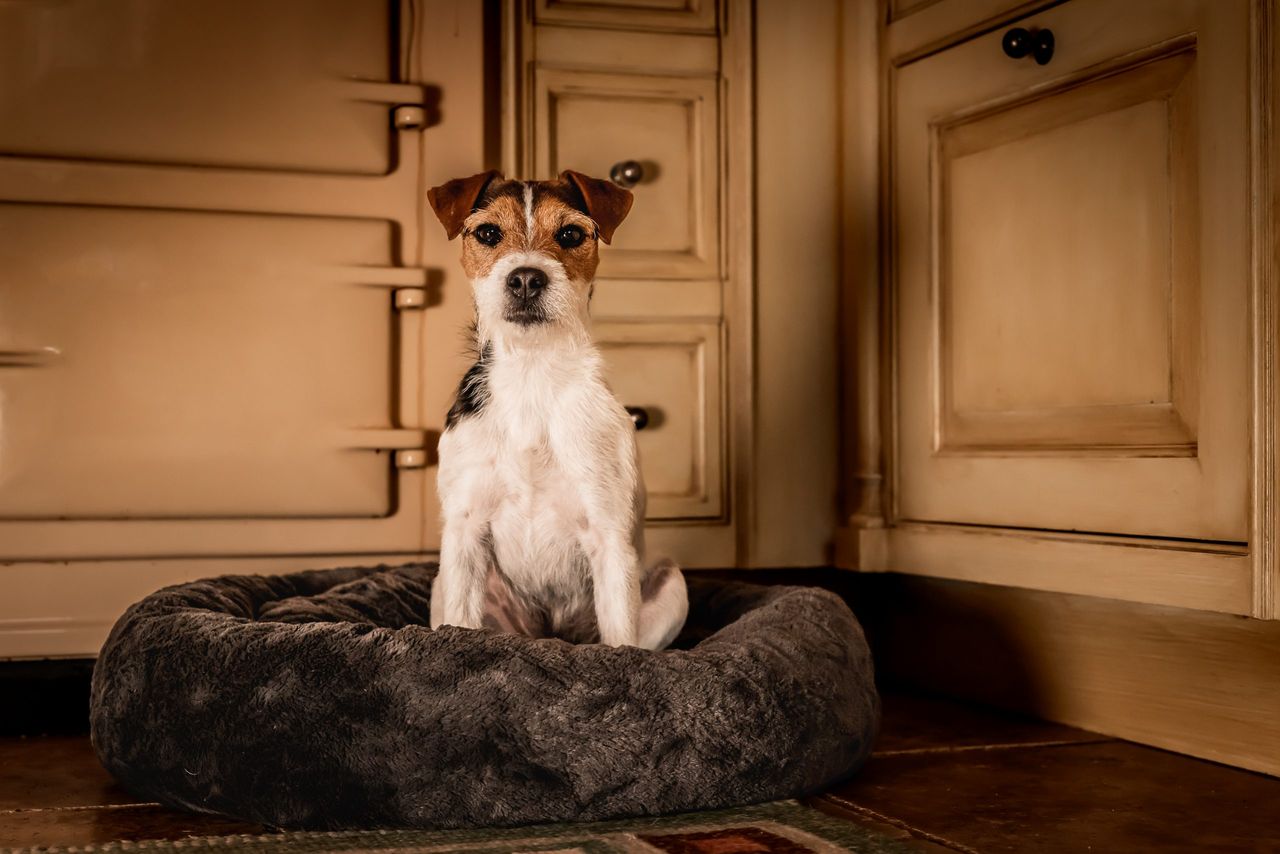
(539, 480)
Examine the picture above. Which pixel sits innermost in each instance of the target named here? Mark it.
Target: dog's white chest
(521, 458)
(535, 520)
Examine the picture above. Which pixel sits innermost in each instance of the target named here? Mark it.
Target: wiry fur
(543, 501)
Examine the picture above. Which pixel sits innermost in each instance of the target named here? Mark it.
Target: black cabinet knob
(639, 416)
(627, 174)
(1020, 42)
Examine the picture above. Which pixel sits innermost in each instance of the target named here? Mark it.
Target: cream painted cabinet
(1072, 254)
(591, 121)
(212, 333)
(221, 344)
(1071, 277)
(229, 324)
(696, 16)
(671, 373)
(636, 91)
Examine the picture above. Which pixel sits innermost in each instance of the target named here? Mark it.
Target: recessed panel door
(173, 374)
(1072, 271)
(665, 126)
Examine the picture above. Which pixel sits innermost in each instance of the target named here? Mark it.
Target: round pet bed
(323, 699)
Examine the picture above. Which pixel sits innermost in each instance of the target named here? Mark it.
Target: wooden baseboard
(1189, 681)
(1203, 576)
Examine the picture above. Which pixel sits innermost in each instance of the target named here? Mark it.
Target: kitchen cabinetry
(1073, 280)
(647, 97)
(230, 328)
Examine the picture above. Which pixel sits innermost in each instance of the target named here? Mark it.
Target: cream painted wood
(665, 15)
(737, 191)
(673, 372)
(588, 121)
(1072, 275)
(207, 84)
(1202, 576)
(625, 50)
(1028, 355)
(52, 606)
(66, 610)
(1192, 682)
(171, 390)
(653, 299)
(641, 90)
(798, 249)
(899, 9)
(1265, 308)
(920, 27)
(222, 381)
(861, 336)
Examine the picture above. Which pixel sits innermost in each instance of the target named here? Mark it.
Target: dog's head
(530, 248)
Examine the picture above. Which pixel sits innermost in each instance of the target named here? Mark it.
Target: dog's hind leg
(664, 604)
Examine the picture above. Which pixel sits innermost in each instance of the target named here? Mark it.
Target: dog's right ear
(454, 200)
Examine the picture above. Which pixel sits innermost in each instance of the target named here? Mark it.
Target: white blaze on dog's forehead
(528, 210)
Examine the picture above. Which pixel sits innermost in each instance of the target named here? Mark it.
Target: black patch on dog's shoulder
(473, 391)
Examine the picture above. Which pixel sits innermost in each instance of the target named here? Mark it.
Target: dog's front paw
(618, 635)
(446, 610)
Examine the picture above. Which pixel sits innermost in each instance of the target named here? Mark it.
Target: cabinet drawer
(672, 372)
(168, 373)
(686, 16)
(1072, 269)
(198, 83)
(590, 121)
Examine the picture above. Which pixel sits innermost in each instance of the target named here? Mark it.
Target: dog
(542, 498)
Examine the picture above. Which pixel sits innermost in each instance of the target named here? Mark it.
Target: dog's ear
(607, 203)
(454, 201)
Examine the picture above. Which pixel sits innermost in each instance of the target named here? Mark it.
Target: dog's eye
(488, 234)
(569, 237)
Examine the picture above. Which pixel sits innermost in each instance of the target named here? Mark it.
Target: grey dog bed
(323, 699)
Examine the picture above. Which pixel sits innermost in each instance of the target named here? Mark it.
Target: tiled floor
(978, 781)
(945, 776)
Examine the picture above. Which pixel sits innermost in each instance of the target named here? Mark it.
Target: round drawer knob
(639, 416)
(627, 174)
(1020, 42)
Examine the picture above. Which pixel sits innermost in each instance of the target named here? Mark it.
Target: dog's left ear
(607, 203)
(454, 201)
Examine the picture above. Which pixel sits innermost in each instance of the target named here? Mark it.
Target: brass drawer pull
(1020, 42)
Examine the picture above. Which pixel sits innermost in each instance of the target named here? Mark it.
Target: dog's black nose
(526, 282)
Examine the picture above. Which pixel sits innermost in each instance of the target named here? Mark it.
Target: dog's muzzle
(525, 286)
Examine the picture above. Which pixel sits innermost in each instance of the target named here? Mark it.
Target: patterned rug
(782, 826)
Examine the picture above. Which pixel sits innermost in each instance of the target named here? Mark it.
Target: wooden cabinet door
(672, 372)
(691, 16)
(589, 121)
(1071, 264)
(209, 330)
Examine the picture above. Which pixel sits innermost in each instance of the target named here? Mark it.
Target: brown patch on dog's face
(502, 217)
(531, 248)
(542, 216)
